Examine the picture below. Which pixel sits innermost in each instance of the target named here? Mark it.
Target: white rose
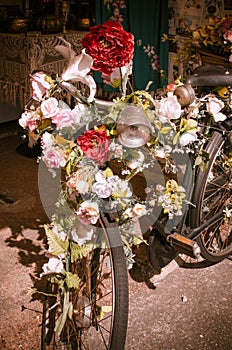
(47, 140)
(170, 108)
(54, 265)
(214, 106)
(139, 209)
(81, 233)
(187, 138)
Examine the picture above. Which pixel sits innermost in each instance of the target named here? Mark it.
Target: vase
(65, 15)
(50, 24)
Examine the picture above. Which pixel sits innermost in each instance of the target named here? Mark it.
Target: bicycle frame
(184, 240)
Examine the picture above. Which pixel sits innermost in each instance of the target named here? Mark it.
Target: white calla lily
(78, 67)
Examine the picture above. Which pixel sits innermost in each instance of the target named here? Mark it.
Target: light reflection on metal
(133, 126)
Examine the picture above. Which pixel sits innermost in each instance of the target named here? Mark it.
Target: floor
(189, 309)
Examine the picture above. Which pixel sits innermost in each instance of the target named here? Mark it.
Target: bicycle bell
(133, 126)
(185, 95)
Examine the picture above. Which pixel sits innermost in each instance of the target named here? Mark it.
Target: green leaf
(68, 168)
(79, 252)
(56, 245)
(175, 139)
(165, 130)
(63, 317)
(70, 311)
(72, 280)
(54, 278)
(198, 160)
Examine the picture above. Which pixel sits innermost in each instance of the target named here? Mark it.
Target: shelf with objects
(29, 32)
(23, 53)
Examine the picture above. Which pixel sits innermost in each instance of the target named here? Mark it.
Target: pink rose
(64, 118)
(88, 213)
(49, 107)
(53, 158)
(29, 120)
(40, 86)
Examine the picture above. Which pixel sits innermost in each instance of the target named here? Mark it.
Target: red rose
(110, 46)
(95, 145)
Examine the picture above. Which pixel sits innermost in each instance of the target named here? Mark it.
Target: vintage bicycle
(86, 302)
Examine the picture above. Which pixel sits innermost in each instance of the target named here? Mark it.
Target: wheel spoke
(95, 315)
(212, 194)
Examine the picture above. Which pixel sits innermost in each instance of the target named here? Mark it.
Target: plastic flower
(187, 132)
(29, 120)
(47, 140)
(54, 159)
(214, 106)
(78, 68)
(171, 198)
(40, 83)
(81, 233)
(49, 107)
(110, 46)
(80, 186)
(139, 209)
(54, 265)
(169, 108)
(95, 144)
(102, 187)
(122, 189)
(187, 138)
(64, 118)
(88, 212)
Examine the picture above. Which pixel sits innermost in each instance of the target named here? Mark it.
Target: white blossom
(54, 265)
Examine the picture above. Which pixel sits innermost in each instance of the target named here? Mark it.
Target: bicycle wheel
(100, 306)
(212, 194)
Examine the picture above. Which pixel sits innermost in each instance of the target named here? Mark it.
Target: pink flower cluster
(48, 107)
(53, 156)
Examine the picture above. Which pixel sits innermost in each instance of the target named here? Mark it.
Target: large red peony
(95, 145)
(110, 46)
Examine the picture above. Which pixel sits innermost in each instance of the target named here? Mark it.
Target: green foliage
(202, 160)
(56, 245)
(72, 280)
(57, 279)
(66, 311)
(79, 252)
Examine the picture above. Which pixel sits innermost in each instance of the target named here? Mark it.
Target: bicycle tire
(212, 193)
(99, 319)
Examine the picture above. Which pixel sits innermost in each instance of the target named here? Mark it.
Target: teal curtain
(147, 20)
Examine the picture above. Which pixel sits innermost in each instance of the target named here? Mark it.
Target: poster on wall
(188, 15)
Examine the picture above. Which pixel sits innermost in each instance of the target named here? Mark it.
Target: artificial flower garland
(83, 142)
